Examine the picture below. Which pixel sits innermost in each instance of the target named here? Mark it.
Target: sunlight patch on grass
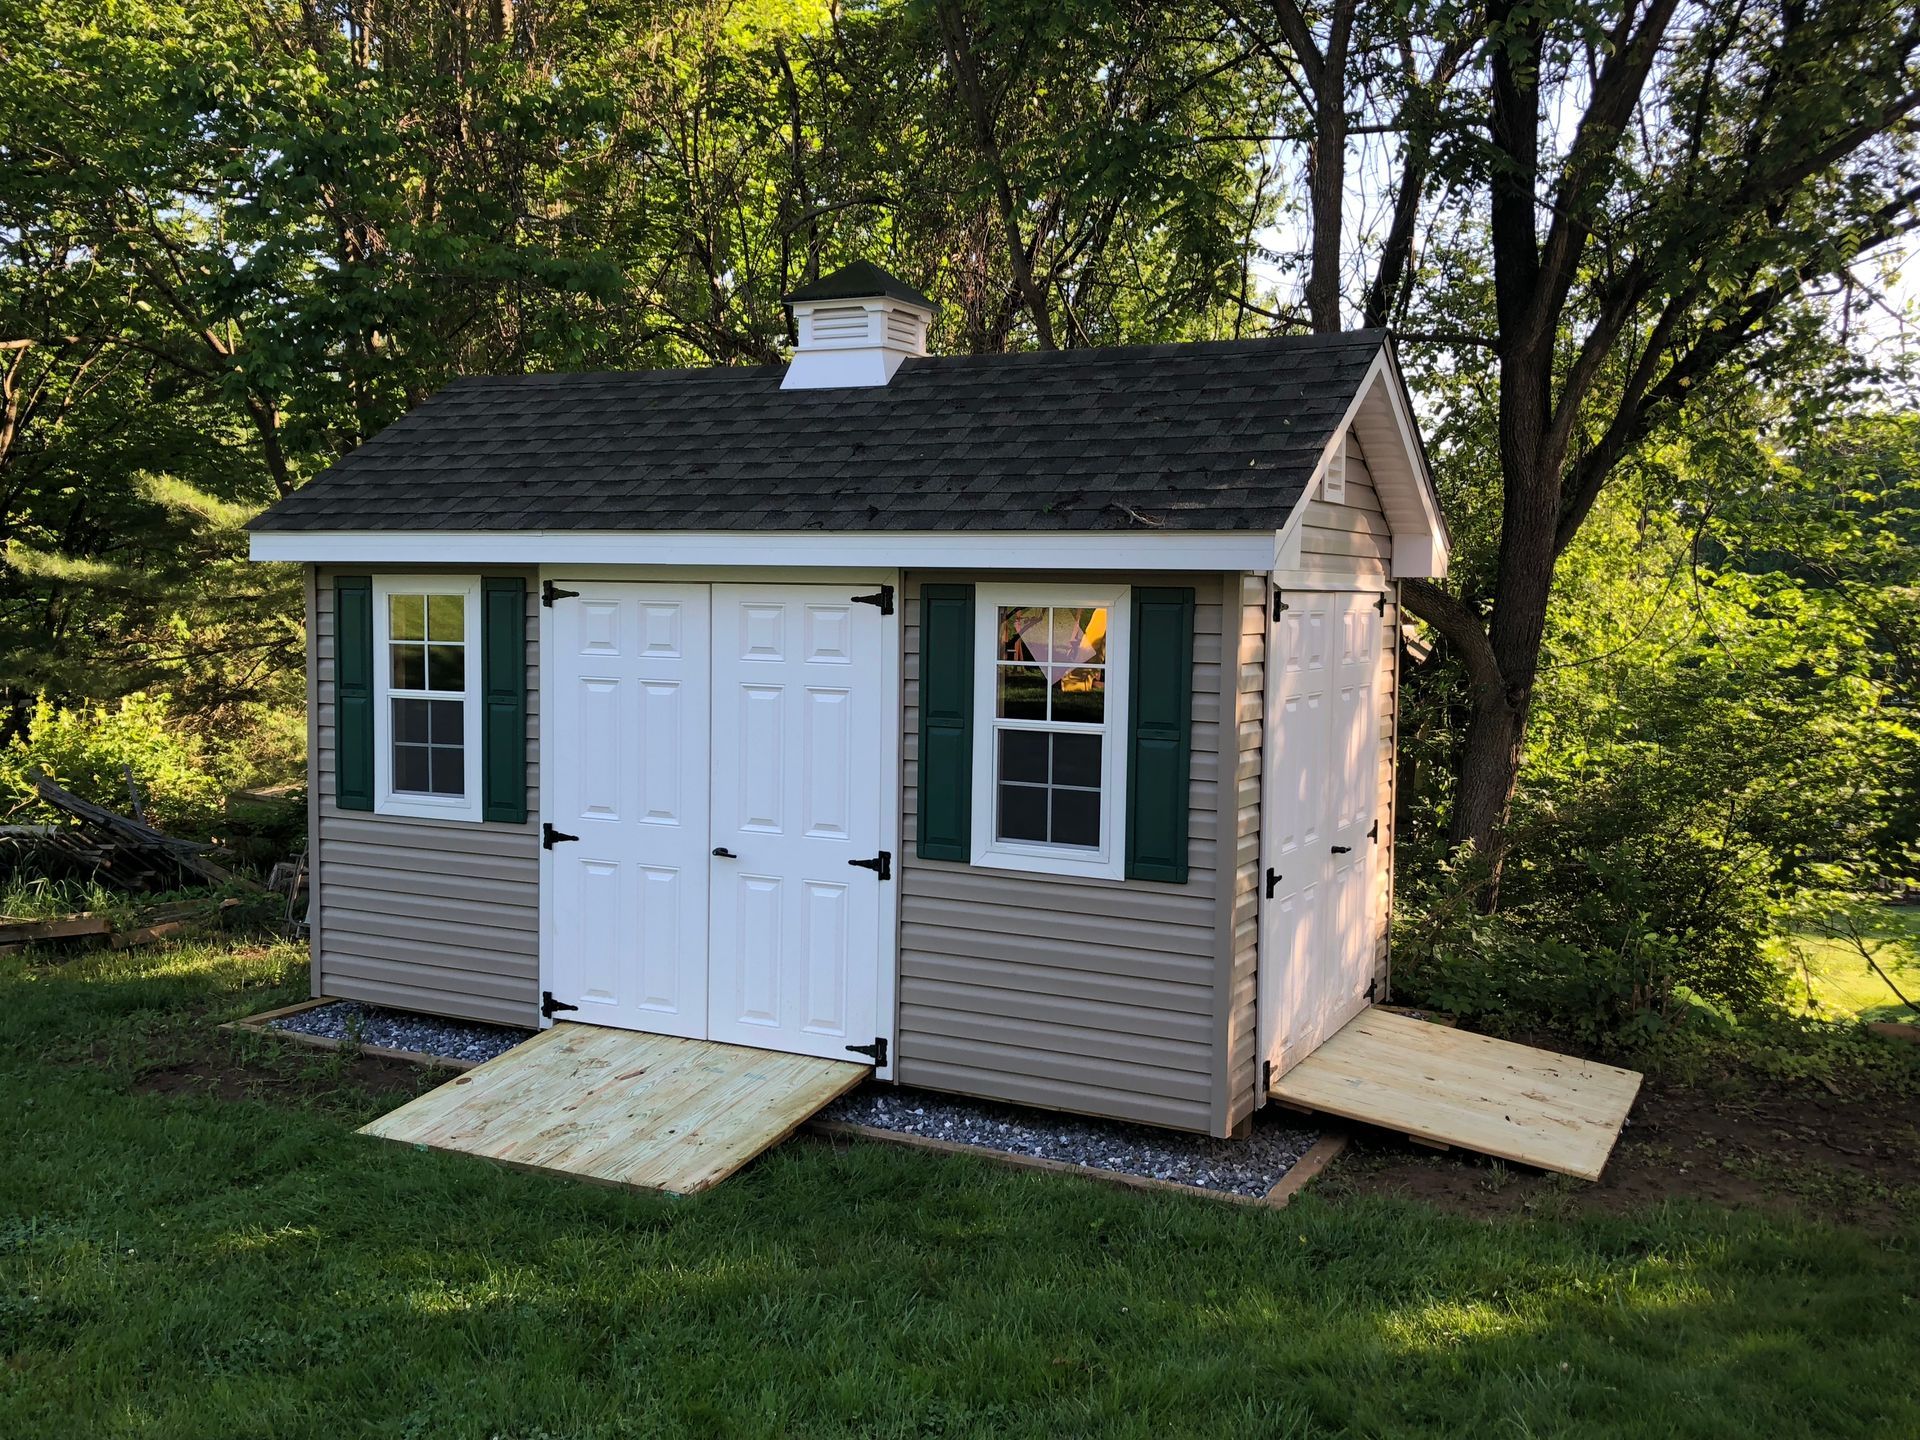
(261, 1241)
(1828, 978)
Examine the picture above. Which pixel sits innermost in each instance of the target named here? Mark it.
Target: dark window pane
(448, 726)
(1023, 756)
(1023, 812)
(410, 768)
(446, 667)
(446, 617)
(409, 667)
(406, 617)
(449, 771)
(1022, 692)
(1080, 696)
(1076, 817)
(1020, 631)
(410, 721)
(1076, 760)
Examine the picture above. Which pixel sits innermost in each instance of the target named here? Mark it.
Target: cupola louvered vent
(855, 327)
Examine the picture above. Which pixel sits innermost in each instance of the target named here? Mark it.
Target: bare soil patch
(1760, 1146)
(284, 1076)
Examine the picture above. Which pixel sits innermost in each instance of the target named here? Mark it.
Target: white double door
(1319, 813)
(715, 754)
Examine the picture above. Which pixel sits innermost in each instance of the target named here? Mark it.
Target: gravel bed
(397, 1030)
(1241, 1167)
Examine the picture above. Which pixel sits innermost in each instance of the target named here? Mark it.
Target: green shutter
(946, 722)
(1160, 734)
(503, 698)
(353, 692)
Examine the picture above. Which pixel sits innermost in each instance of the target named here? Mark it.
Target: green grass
(196, 1267)
(1828, 978)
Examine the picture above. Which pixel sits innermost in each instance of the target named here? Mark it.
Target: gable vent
(855, 328)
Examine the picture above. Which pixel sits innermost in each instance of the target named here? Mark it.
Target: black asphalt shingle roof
(1218, 436)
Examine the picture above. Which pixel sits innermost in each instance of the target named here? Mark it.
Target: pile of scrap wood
(127, 854)
(153, 923)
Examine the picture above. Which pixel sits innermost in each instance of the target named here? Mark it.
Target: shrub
(90, 751)
(1617, 918)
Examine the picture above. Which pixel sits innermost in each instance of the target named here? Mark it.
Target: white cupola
(856, 326)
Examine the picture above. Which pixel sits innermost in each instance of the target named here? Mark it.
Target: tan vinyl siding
(1350, 539)
(438, 916)
(1239, 1061)
(1096, 996)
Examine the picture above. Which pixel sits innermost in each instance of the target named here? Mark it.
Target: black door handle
(724, 853)
(1342, 849)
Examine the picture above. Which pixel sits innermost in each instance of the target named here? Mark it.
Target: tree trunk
(1488, 766)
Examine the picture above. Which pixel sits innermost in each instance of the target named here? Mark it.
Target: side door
(1295, 816)
(795, 904)
(627, 775)
(1353, 772)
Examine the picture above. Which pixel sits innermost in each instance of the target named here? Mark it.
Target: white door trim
(892, 701)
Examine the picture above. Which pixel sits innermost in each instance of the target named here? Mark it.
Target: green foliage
(1790, 1049)
(1724, 720)
(92, 751)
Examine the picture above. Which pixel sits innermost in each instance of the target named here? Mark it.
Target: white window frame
(1108, 861)
(425, 807)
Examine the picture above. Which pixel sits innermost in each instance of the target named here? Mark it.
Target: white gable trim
(1022, 550)
(1379, 416)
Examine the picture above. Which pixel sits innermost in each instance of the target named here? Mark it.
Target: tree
(1628, 201)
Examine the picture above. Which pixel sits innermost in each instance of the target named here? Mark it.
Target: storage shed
(1016, 725)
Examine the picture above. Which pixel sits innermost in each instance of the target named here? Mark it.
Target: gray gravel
(1243, 1167)
(398, 1030)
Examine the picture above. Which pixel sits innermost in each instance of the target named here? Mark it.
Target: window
(1050, 697)
(426, 718)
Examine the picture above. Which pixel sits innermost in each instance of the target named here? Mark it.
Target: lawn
(228, 1260)
(1828, 977)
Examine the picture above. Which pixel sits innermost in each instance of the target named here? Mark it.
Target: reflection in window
(1050, 686)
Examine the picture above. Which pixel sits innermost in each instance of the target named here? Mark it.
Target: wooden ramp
(653, 1112)
(1450, 1087)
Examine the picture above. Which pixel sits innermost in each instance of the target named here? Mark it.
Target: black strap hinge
(550, 837)
(876, 1051)
(881, 864)
(1380, 602)
(1278, 604)
(550, 1007)
(1266, 1075)
(1372, 986)
(1374, 833)
(550, 592)
(1273, 879)
(883, 597)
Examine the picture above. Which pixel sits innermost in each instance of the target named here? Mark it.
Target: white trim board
(756, 550)
(1379, 414)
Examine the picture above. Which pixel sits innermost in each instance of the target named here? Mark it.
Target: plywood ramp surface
(1452, 1087)
(653, 1112)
